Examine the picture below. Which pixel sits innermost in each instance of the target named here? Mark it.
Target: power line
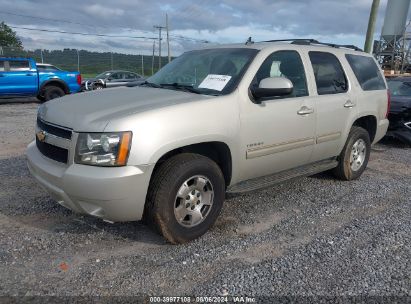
(178, 37)
(82, 34)
(48, 19)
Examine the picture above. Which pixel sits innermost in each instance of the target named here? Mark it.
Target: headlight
(103, 149)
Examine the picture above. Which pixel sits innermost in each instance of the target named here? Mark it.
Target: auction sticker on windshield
(214, 82)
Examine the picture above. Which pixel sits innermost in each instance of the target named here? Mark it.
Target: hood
(92, 111)
(400, 103)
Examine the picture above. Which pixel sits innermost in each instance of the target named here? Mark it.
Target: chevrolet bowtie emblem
(41, 135)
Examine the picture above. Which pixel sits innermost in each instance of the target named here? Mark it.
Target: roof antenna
(249, 41)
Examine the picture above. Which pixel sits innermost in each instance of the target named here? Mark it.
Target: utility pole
(160, 28)
(371, 26)
(41, 54)
(1, 50)
(168, 39)
(78, 61)
(152, 60)
(111, 60)
(142, 65)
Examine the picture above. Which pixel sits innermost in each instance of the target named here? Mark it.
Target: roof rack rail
(314, 41)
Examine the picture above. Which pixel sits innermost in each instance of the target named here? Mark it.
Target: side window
(286, 64)
(131, 76)
(19, 65)
(115, 76)
(328, 72)
(367, 72)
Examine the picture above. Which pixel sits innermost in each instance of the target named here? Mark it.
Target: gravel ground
(312, 236)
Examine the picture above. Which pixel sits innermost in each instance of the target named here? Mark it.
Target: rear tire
(185, 197)
(355, 155)
(51, 92)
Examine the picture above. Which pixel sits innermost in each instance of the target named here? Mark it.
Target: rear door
(19, 78)
(335, 104)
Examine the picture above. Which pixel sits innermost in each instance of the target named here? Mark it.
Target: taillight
(79, 79)
(388, 103)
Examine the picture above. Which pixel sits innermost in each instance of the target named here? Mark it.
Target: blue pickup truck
(21, 77)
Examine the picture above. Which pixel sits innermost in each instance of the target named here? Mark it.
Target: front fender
(164, 149)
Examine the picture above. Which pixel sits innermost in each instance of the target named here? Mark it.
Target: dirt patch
(262, 225)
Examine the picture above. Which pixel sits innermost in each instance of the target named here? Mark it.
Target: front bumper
(113, 194)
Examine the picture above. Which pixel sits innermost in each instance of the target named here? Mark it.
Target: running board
(271, 180)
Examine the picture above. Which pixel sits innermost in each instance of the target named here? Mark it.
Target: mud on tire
(347, 169)
(162, 200)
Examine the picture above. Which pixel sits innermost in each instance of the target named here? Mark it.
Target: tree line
(88, 62)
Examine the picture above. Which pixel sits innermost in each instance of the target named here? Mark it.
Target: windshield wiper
(183, 87)
(150, 84)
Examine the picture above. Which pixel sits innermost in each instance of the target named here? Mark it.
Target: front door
(115, 80)
(278, 133)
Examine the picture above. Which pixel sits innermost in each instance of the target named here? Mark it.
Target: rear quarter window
(366, 71)
(19, 65)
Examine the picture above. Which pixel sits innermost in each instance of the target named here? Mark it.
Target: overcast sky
(219, 21)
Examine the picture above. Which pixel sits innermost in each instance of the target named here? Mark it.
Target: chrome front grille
(53, 129)
(53, 141)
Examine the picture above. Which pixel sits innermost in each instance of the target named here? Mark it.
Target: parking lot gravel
(313, 236)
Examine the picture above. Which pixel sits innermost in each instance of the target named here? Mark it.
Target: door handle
(29, 74)
(349, 104)
(305, 111)
(1, 75)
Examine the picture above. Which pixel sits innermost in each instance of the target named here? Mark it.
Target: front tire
(41, 98)
(355, 155)
(185, 197)
(98, 86)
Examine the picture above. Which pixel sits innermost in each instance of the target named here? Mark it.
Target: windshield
(103, 75)
(399, 88)
(211, 71)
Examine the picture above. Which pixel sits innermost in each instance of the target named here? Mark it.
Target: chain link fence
(90, 63)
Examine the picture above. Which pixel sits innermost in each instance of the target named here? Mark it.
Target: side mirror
(110, 79)
(272, 87)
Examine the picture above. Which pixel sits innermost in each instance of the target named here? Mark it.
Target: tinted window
(19, 65)
(329, 75)
(116, 76)
(286, 64)
(399, 88)
(131, 76)
(367, 72)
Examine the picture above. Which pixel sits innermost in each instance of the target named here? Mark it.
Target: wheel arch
(217, 151)
(55, 82)
(369, 123)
